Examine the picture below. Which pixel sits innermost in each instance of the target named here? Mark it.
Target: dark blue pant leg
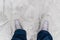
(44, 35)
(19, 35)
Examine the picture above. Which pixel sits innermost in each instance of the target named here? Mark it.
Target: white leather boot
(45, 22)
(18, 24)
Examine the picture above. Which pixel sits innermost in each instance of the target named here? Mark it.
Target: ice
(29, 13)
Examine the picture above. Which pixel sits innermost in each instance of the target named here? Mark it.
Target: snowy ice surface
(29, 12)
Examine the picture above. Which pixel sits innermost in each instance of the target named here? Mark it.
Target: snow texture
(30, 13)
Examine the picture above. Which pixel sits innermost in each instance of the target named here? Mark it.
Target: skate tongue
(18, 24)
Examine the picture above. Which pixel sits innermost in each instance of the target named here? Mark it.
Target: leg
(19, 35)
(44, 35)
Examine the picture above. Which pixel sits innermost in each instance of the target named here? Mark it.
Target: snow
(29, 13)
